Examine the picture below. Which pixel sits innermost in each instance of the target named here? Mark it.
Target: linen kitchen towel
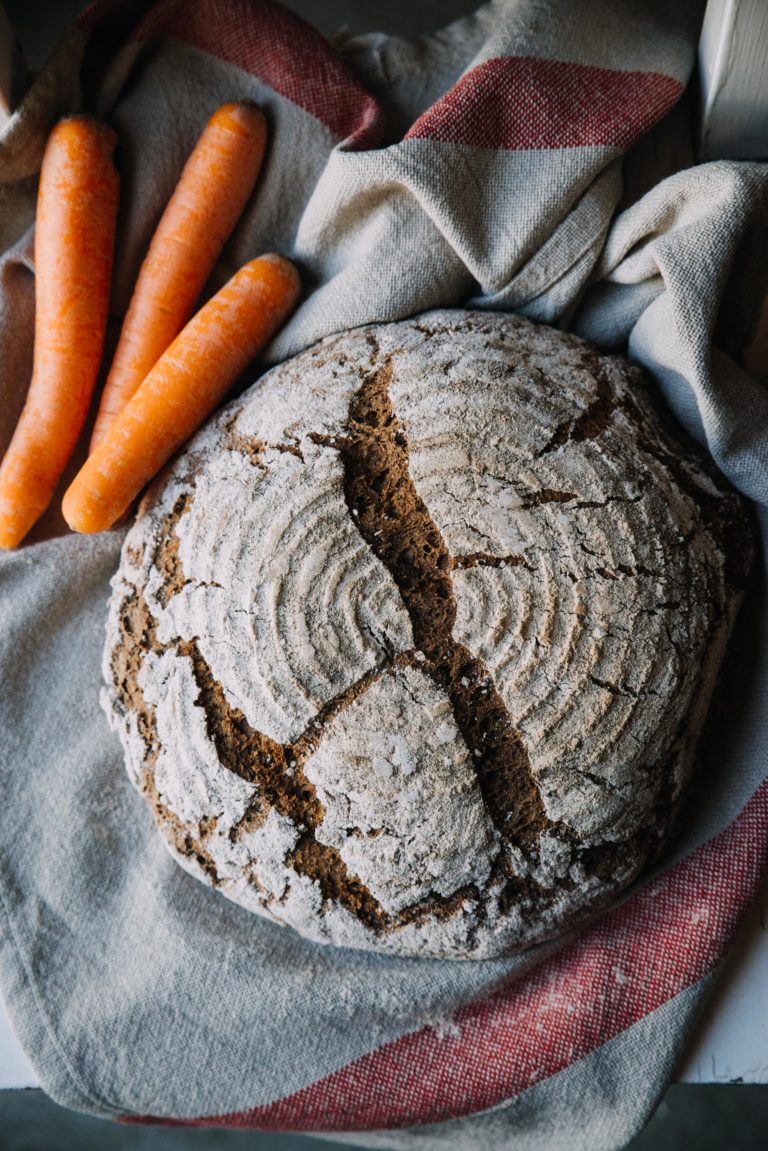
(483, 165)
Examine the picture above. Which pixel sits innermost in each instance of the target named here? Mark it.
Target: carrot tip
(12, 532)
(239, 110)
(79, 120)
(286, 265)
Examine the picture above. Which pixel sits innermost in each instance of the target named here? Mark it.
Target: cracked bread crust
(410, 649)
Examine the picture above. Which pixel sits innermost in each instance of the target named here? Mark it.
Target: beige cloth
(487, 170)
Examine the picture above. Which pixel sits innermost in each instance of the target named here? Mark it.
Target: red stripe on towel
(279, 49)
(519, 102)
(663, 939)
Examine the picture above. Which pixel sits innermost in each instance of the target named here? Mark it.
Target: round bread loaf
(410, 649)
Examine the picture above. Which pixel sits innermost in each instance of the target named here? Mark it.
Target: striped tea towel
(483, 165)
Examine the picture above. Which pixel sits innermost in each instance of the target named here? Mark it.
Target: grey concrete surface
(40, 23)
(691, 1118)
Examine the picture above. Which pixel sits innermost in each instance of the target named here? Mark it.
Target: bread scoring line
(394, 522)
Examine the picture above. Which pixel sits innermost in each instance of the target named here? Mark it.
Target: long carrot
(74, 243)
(208, 200)
(183, 388)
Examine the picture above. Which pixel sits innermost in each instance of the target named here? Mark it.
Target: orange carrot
(209, 198)
(183, 388)
(74, 243)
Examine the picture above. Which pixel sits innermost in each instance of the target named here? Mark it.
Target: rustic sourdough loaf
(410, 649)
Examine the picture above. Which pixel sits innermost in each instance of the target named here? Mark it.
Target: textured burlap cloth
(483, 165)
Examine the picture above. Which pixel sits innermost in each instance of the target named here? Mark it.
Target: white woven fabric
(482, 165)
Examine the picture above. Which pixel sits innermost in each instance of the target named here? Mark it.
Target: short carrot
(74, 243)
(184, 387)
(208, 200)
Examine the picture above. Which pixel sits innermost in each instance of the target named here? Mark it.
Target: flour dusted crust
(410, 649)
